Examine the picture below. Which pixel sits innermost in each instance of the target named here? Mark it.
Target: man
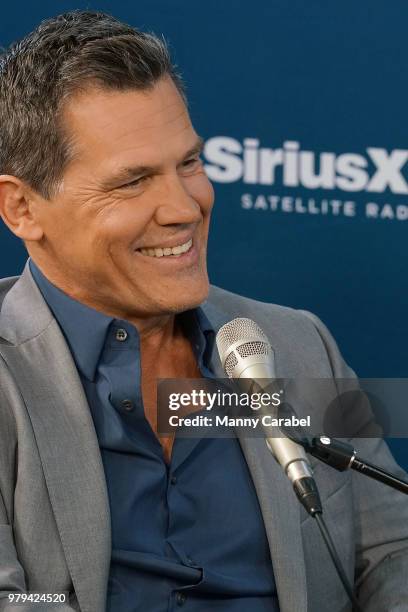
(101, 178)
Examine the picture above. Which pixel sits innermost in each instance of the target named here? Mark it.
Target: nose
(176, 205)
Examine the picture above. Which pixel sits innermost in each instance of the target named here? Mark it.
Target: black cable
(333, 553)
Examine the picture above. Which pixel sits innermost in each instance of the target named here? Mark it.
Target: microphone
(246, 353)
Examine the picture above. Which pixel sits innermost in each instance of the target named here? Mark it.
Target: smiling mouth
(175, 251)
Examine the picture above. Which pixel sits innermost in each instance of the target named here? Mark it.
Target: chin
(186, 298)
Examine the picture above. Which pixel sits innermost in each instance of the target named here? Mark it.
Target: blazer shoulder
(302, 342)
(5, 285)
(235, 305)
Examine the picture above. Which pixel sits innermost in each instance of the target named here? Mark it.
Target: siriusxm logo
(228, 161)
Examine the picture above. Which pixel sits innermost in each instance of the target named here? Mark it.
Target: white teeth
(168, 251)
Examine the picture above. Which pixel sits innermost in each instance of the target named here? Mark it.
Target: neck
(155, 331)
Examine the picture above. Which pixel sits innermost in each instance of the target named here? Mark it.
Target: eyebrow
(127, 173)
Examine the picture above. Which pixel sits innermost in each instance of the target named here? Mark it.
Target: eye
(191, 163)
(134, 183)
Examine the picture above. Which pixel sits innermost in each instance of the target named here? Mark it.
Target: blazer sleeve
(12, 578)
(380, 514)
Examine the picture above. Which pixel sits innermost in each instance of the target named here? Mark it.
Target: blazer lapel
(281, 514)
(279, 506)
(42, 365)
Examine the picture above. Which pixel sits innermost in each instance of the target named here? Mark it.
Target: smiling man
(101, 177)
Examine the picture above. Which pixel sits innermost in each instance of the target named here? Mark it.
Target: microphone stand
(342, 456)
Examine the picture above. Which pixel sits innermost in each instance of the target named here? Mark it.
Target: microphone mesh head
(252, 341)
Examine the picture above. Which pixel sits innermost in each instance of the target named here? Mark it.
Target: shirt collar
(84, 328)
(202, 335)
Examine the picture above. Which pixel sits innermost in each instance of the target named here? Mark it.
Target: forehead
(110, 127)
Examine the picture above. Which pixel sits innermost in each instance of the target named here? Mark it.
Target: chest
(181, 364)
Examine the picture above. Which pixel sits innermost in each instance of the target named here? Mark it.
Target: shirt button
(127, 404)
(180, 599)
(173, 480)
(121, 335)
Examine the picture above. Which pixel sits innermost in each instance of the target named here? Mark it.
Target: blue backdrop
(303, 109)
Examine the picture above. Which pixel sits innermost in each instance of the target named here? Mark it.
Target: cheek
(201, 190)
(126, 224)
(60, 226)
(115, 226)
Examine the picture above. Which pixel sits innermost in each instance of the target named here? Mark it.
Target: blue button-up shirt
(189, 533)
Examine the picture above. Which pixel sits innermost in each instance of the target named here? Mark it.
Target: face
(127, 231)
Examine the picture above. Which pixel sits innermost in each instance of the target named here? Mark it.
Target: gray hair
(62, 56)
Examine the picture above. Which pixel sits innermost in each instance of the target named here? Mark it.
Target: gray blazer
(54, 511)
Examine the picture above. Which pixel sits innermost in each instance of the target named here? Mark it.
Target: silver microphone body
(246, 353)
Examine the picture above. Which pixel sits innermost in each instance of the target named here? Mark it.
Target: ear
(17, 208)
